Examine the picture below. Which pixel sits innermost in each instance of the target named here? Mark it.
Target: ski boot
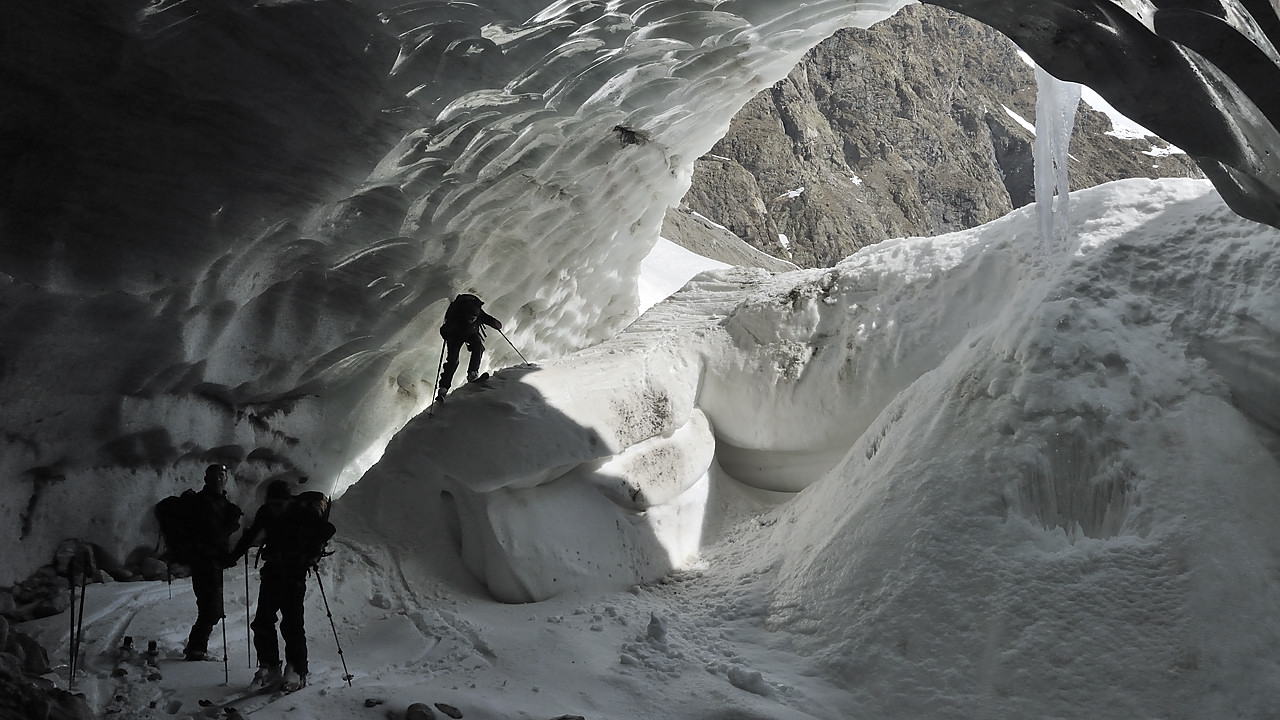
(267, 676)
(293, 680)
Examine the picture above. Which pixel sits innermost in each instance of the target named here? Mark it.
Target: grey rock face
(1194, 73)
(698, 234)
(868, 138)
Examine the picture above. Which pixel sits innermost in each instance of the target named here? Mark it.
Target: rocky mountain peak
(870, 137)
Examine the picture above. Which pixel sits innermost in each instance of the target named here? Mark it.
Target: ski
(242, 704)
(480, 378)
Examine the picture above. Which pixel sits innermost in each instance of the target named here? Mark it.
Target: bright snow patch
(667, 268)
(1029, 127)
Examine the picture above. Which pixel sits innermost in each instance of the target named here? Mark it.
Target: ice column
(1056, 103)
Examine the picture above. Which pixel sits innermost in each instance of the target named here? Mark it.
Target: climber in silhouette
(464, 323)
(197, 528)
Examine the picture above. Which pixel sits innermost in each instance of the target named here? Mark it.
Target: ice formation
(1056, 103)
(948, 476)
(287, 291)
(1024, 477)
(278, 199)
(1043, 486)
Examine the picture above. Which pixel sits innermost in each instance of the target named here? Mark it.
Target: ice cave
(229, 229)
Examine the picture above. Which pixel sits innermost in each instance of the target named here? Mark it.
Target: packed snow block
(550, 420)
(785, 471)
(599, 478)
(822, 353)
(528, 545)
(1246, 353)
(654, 471)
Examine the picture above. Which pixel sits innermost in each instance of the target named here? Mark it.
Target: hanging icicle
(1056, 103)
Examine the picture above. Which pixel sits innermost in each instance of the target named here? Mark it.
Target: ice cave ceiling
(280, 196)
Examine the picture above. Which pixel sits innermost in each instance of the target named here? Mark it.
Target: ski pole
(84, 585)
(167, 573)
(248, 643)
(226, 664)
(71, 633)
(435, 387)
(346, 674)
(513, 345)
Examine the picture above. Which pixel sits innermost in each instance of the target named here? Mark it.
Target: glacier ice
(280, 198)
(1056, 103)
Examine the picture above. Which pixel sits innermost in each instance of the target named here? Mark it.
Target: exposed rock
(697, 233)
(419, 711)
(47, 591)
(449, 710)
(42, 594)
(153, 568)
(868, 139)
(23, 692)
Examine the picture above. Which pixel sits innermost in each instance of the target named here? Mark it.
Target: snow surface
(667, 268)
(1028, 126)
(969, 476)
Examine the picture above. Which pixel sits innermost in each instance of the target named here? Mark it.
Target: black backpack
(463, 310)
(304, 531)
(176, 515)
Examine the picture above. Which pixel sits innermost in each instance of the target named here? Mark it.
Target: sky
(970, 476)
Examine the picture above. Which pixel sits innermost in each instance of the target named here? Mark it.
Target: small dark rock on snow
(419, 711)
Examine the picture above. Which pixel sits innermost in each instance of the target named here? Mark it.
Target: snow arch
(276, 199)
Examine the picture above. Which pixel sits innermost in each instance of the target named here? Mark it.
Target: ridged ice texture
(285, 196)
(275, 200)
(545, 188)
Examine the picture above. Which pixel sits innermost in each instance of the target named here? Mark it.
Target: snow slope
(1051, 494)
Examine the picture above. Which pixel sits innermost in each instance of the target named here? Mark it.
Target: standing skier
(292, 531)
(463, 324)
(197, 527)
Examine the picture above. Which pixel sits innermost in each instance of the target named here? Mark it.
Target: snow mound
(1051, 493)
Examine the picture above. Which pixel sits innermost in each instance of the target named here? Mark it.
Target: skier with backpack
(197, 529)
(292, 531)
(464, 322)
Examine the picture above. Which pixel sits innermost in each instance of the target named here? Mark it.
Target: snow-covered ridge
(970, 363)
(1061, 503)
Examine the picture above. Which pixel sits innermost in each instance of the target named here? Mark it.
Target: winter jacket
(211, 521)
(464, 318)
(292, 538)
